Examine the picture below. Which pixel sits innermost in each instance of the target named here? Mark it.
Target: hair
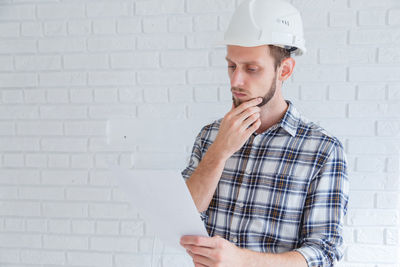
(279, 54)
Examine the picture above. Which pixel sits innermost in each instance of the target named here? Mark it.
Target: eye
(231, 67)
(252, 68)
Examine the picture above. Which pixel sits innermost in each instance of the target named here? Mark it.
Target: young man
(271, 186)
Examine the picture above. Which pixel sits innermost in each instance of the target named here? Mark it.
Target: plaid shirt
(285, 189)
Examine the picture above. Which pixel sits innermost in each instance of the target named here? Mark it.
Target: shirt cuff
(312, 256)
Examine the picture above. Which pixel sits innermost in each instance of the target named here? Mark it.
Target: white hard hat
(260, 22)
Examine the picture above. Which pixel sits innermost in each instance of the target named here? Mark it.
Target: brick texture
(69, 67)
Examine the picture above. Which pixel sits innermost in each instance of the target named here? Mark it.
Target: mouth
(238, 94)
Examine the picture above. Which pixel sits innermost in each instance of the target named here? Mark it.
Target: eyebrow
(245, 62)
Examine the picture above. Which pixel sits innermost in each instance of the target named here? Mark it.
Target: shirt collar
(289, 122)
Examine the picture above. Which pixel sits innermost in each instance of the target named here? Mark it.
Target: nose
(237, 79)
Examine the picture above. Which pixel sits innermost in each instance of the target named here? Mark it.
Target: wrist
(217, 154)
(253, 259)
(247, 258)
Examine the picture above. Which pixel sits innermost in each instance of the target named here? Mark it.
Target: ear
(286, 68)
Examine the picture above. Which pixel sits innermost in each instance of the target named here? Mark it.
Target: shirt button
(240, 204)
(248, 171)
(235, 240)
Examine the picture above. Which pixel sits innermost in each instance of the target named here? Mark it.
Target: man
(271, 187)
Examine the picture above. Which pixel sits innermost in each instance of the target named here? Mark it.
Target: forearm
(204, 180)
(285, 259)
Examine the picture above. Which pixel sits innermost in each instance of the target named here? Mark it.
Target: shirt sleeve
(324, 211)
(194, 161)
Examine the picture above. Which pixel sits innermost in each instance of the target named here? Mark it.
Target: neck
(272, 112)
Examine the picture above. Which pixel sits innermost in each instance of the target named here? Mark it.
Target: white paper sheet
(163, 200)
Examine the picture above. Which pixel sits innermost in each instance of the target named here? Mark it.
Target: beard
(265, 99)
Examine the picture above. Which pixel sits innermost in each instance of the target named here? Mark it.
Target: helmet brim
(223, 43)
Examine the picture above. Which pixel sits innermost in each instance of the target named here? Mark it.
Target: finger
(250, 120)
(246, 105)
(248, 112)
(201, 251)
(200, 241)
(253, 127)
(200, 260)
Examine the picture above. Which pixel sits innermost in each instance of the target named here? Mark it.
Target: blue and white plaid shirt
(285, 189)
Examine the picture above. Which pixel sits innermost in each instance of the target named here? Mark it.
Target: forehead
(249, 55)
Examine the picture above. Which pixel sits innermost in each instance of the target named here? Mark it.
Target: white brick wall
(67, 67)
